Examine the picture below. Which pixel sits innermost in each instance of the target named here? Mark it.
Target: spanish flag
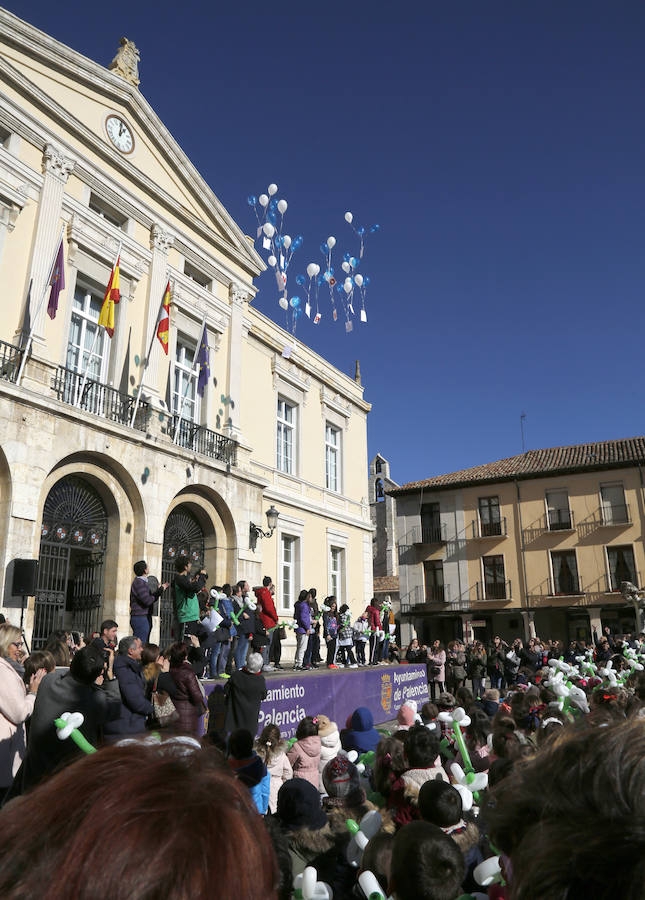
(112, 296)
(163, 322)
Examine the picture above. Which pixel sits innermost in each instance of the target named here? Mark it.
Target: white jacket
(329, 748)
(16, 705)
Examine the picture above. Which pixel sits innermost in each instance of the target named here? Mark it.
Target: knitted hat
(299, 806)
(405, 716)
(340, 778)
(325, 726)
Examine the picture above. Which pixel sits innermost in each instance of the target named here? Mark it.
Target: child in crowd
(346, 637)
(389, 765)
(405, 717)
(440, 804)
(360, 734)
(330, 631)
(476, 739)
(360, 637)
(345, 797)
(249, 768)
(429, 712)
(377, 858)
(426, 864)
(273, 752)
(421, 749)
(329, 744)
(304, 756)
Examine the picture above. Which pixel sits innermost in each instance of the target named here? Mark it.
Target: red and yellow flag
(112, 297)
(163, 322)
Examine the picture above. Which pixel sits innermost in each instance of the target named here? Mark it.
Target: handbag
(163, 709)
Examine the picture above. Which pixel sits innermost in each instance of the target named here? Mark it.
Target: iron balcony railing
(99, 399)
(613, 582)
(569, 587)
(560, 520)
(429, 533)
(489, 529)
(438, 593)
(616, 514)
(411, 600)
(204, 441)
(498, 590)
(10, 357)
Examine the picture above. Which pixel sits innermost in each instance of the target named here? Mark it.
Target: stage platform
(332, 692)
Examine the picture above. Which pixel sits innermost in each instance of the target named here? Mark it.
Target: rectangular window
(433, 578)
(490, 521)
(622, 566)
(494, 578)
(430, 523)
(565, 572)
(336, 573)
(559, 515)
(332, 458)
(86, 308)
(200, 278)
(614, 508)
(184, 385)
(288, 546)
(286, 437)
(107, 212)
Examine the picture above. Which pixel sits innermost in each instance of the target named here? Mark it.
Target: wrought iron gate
(73, 538)
(183, 536)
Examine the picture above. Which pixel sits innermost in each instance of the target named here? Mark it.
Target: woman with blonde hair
(16, 704)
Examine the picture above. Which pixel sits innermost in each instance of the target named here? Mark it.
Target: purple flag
(203, 362)
(57, 282)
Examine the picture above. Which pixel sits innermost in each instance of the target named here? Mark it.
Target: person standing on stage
(312, 653)
(302, 615)
(268, 618)
(186, 603)
(330, 630)
(142, 599)
(374, 622)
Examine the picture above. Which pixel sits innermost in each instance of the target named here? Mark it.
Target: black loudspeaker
(25, 576)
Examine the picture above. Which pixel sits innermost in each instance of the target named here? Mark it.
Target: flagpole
(79, 396)
(192, 374)
(30, 339)
(145, 366)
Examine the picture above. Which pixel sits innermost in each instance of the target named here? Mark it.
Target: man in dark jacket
(134, 705)
(142, 599)
(245, 690)
(186, 589)
(80, 689)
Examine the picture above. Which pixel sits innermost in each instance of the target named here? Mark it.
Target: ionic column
(239, 299)
(160, 243)
(56, 168)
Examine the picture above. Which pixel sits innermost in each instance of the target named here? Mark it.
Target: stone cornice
(102, 240)
(36, 44)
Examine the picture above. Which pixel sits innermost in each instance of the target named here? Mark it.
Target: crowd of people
(161, 810)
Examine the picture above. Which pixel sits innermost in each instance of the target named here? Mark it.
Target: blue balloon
(360, 231)
(273, 203)
(271, 216)
(300, 279)
(297, 242)
(347, 257)
(279, 240)
(251, 200)
(297, 313)
(295, 302)
(375, 228)
(366, 280)
(339, 288)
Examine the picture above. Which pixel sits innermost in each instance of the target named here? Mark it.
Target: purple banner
(383, 690)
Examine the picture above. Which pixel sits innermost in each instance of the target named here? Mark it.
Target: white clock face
(119, 133)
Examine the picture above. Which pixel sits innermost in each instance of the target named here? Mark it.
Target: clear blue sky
(500, 146)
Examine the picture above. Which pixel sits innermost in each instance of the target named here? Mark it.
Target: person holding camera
(186, 588)
(142, 599)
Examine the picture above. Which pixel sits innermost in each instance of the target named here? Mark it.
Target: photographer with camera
(185, 590)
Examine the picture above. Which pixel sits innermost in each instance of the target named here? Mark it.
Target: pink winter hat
(405, 716)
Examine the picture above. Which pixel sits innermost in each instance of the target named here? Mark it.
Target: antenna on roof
(522, 418)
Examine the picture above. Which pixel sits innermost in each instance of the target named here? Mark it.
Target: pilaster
(239, 299)
(160, 243)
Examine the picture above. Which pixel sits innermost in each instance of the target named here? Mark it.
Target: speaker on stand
(25, 579)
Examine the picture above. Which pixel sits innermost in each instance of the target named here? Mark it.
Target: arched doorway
(183, 536)
(73, 538)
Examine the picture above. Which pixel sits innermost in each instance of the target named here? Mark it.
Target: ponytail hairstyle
(269, 743)
(307, 727)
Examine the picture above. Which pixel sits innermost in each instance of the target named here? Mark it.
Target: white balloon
(317, 272)
(263, 200)
(331, 242)
(268, 229)
(272, 189)
(282, 206)
(348, 287)
(345, 267)
(272, 260)
(358, 279)
(284, 303)
(311, 270)
(286, 241)
(349, 217)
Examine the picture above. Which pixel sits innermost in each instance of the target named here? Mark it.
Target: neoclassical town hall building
(86, 486)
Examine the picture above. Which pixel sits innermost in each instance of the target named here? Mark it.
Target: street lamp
(255, 532)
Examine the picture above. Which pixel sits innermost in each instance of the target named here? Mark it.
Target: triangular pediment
(80, 95)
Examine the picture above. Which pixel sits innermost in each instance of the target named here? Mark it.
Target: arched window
(378, 464)
(378, 490)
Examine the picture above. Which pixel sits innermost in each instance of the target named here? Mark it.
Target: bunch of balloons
(346, 292)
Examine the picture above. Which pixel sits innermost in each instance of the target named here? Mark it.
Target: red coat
(373, 618)
(268, 615)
